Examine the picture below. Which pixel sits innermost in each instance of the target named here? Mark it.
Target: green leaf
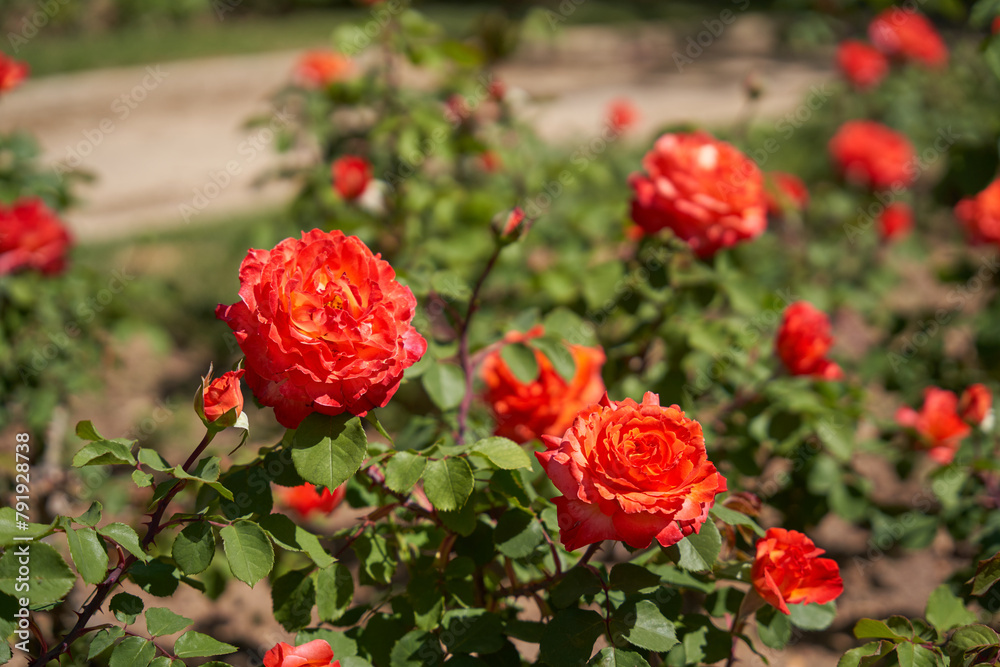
(558, 355)
(517, 533)
(812, 616)
(160, 622)
(615, 657)
(700, 550)
(288, 535)
(142, 479)
(328, 450)
(377, 558)
(103, 640)
(404, 470)
(152, 459)
(157, 577)
(126, 538)
(972, 637)
(445, 384)
(631, 579)
(472, 631)
(869, 628)
(250, 554)
(520, 359)
(50, 578)
(126, 607)
(132, 652)
(293, 597)
(196, 645)
(911, 655)
(206, 470)
(577, 583)
(987, 574)
(9, 528)
(773, 627)
(448, 483)
(734, 518)
(946, 611)
(644, 625)
(194, 547)
(105, 452)
(416, 649)
(334, 591)
(862, 654)
(92, 516)
(85, 431)
(569, 637)
(89, 554)
(502, 453)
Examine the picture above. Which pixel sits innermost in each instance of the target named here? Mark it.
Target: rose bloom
(316, 653)
(222, 395)
(31, 237)
(803, 342)
(909, 36)
(12, 73)
(705, 190)
(622, 115)
(490, 161)
(863, 65)
(306, 498)
(632, 472)
(324, 325)
(995, 27)
(351, 175)
(980, 215)
(873, 155)
(787, 570)
(975, 404)
(784, 191)
(895, 222)
(548, 404)
(938, 424)
(316, 69)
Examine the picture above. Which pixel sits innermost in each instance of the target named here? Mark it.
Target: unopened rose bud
(221, 401)
(512, 226)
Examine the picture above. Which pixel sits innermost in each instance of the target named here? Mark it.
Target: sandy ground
(153, 136)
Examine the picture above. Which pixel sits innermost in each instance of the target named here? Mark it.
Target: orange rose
(938, 424)
(909, 36)
(787, 570)
(804, 340)
(785, 191)
(306, 498)
(895, 222)
(324, 325)
(632, 472)
(316, 653)
(12, 73)
(548, 404)
(975, 404)
(704, 190)
(980, 215)
(221, 396)
(873, 155)
(316, 69)
(351, 175)
(31, 237)
(863, 65)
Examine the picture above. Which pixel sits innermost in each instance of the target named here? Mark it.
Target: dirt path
(154, 136)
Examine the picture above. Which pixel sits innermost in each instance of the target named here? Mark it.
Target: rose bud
(704, 190)
(316, 653)
(632, 472)
(803, 341)
(32, 238)
(895, 222)
(351, 176)
(980, 215)
(316, 69)
(976, 404)
(547, 405)
(325, 327)
(306, 498)
(784, 192)
(787, 570)
(12, 73)
(511, 226)
(873, 155)
(938, 424)
(221, 401)
(908, 36)
(863, 65)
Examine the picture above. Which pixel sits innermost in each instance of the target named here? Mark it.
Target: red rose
(787, 570)
(351, 175)
(938, 424)
(705, 190)
(873, 155)
(895, 222)
(632, 472)
(490, 161)
(223, 395)
(316, 69)
(324, 325)
(909, 36)
(804, 340)
(863, 65)
(306, 498)
(980, 215)
(457, 109)
(12, 73)
(995, 26)
(976, 403)
(548, 404)
(785, 191)
(622, 115)
(316, 653)
(31, 237)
